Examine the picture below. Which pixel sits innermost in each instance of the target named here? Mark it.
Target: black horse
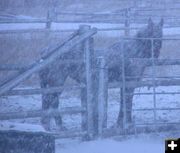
(56, 73)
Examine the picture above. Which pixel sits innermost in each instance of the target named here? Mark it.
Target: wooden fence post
(123, 89)
(87, 95)
(102, 95)
(127, 22)
(48, 23)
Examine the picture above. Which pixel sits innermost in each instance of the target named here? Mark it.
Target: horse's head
(152, 30)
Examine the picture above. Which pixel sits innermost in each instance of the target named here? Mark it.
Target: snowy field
(139, 143)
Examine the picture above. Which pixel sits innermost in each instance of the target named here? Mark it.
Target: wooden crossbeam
(147, 61)
(58, 51)
(41, 90)
(136, 84)
(41, 113)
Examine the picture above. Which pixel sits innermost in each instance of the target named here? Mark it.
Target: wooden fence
(83, 36)
(154, 82)
(94, 114)
(90, 116)
(127, 17)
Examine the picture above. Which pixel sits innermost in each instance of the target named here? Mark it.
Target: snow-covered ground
(138, 143)
(141, 144)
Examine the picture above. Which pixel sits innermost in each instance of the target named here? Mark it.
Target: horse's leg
(55, 105)
(45, 120)
(128, 100)
(51, 100)
(120, 115)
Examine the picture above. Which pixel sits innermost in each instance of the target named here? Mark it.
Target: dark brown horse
(56, 73)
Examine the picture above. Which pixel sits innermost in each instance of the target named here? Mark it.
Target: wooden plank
(157, 93)
(84, 116)
(175, 82)
(88, 66)
(41, 113)
(40, 90)
(127, 23)
(8, 67)
(23, 21)
(141, 128)
(19, 31)
(102, 96)
(158, 109)
(13, 67)
(158, 62)
(72, 30)
(50, 49)
(58, 51)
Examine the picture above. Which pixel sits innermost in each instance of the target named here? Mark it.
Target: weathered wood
(84, 124)
(158, 109)
(24, 21)
(84, 116)
(127, 23)
(123, 103)
(141, 128)
(40, 90)
(71, 30)
(157, 93)
(42, 63)
(102, 96)
(8, 67)
(174, 82)
(158, 62)
(13, 67)
(26, 142)
(50, 49)
(88, 58)
(49, 20)
(41, 113)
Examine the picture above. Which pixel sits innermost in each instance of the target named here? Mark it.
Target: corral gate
(82, 36)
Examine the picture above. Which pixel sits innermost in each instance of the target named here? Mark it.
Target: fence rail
(40, 90)
(128, 15)
(41, 113)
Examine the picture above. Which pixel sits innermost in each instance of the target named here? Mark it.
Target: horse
(139, 47)
(56, 73)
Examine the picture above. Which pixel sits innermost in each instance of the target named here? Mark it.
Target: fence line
(21, 92)
(83, 37)
(71, 30)
(41, 113)
(147, 61)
